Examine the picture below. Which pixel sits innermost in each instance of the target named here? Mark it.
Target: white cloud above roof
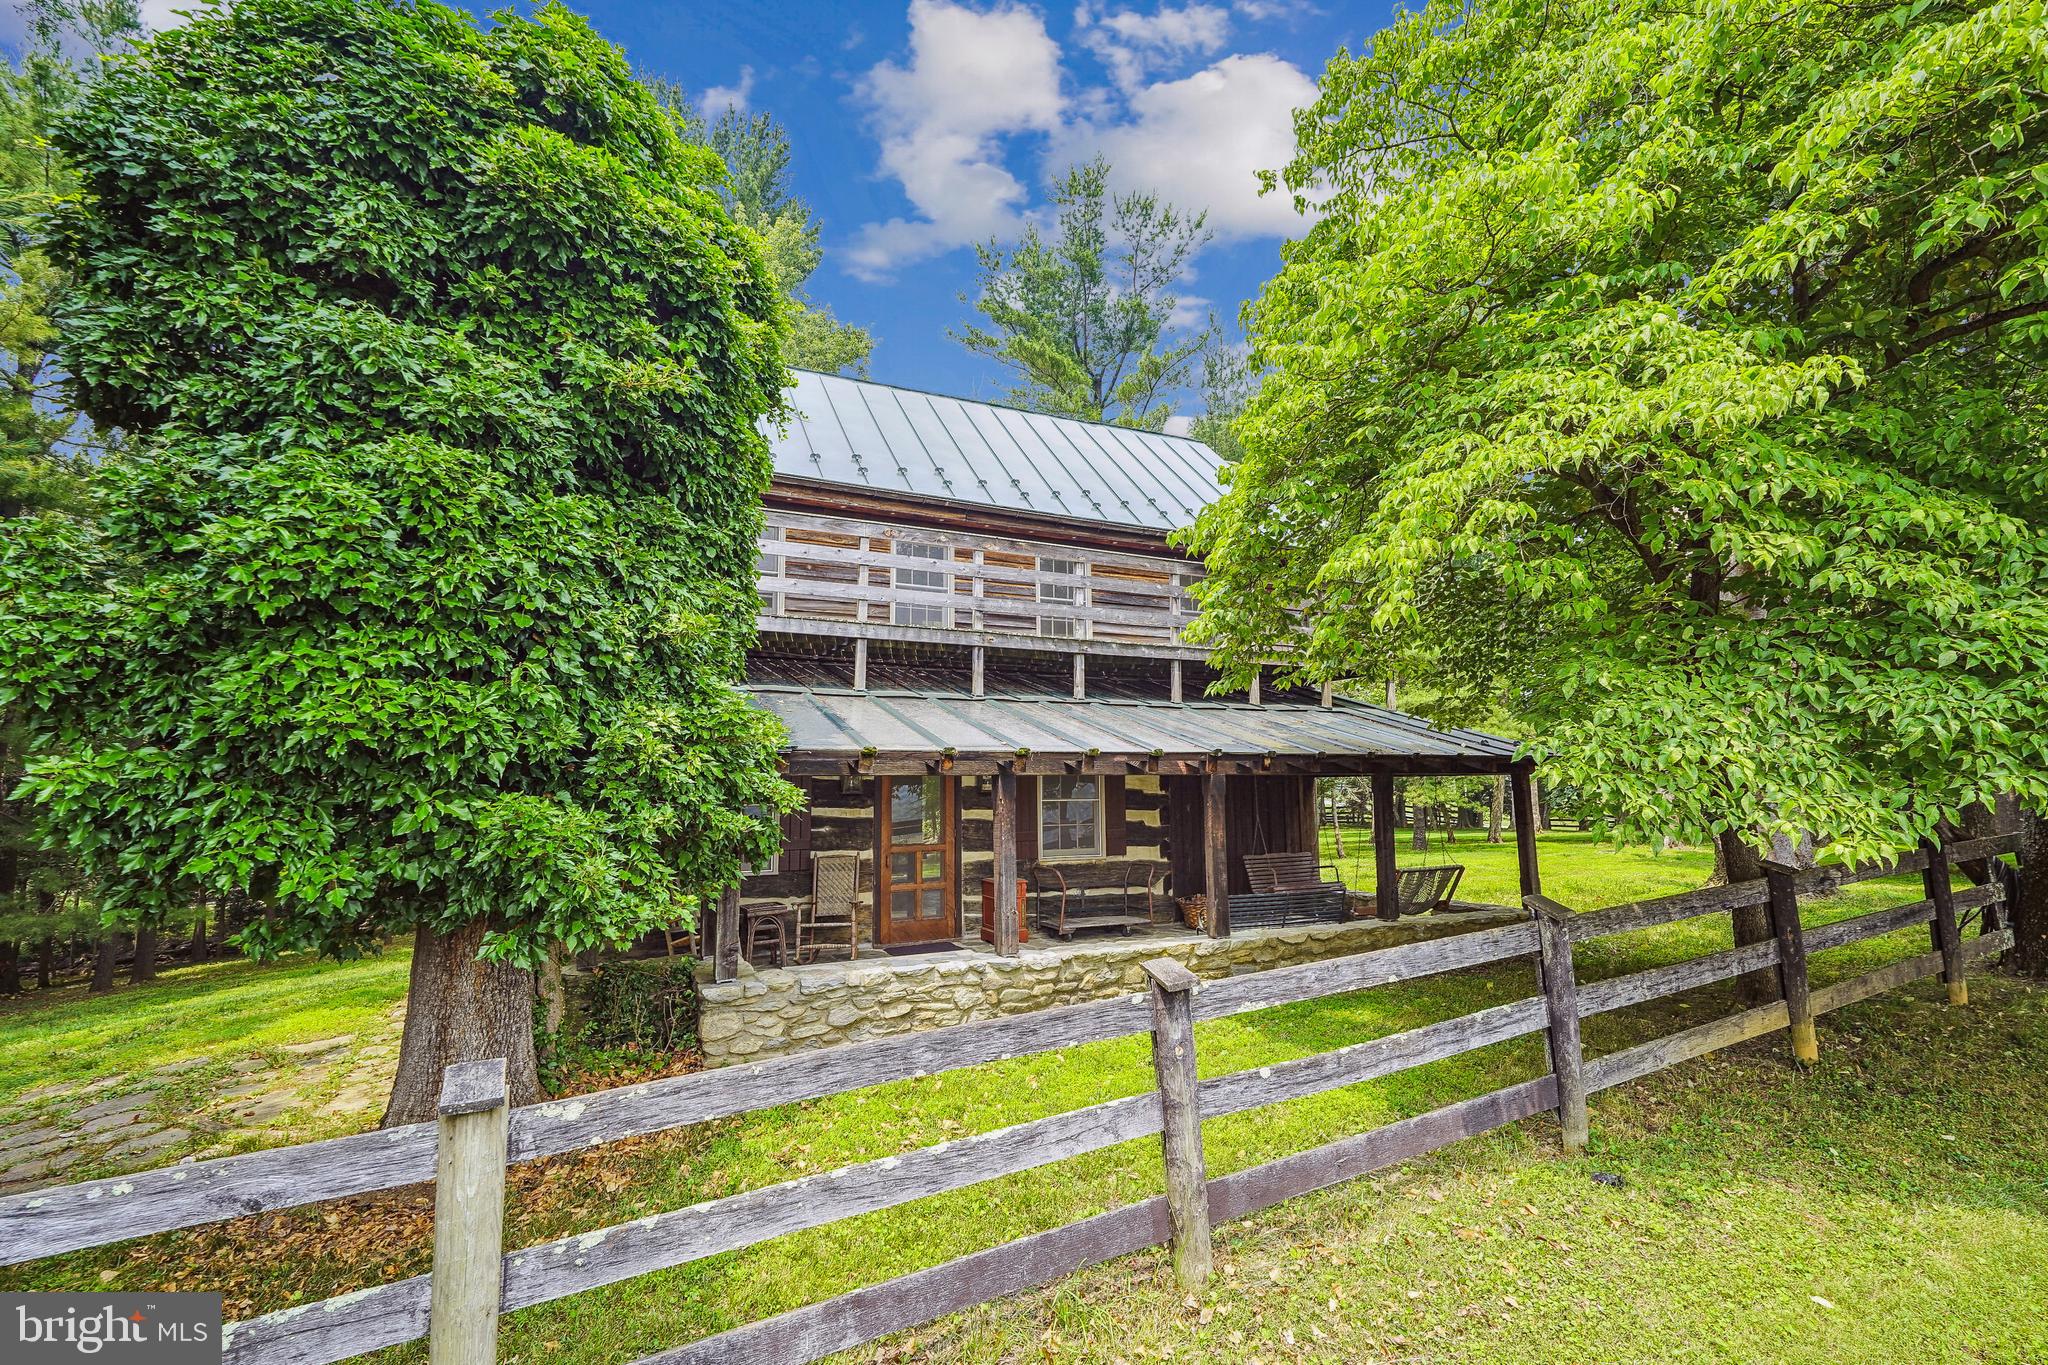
(973, 78)
(1201, 141)
(981, 87)
(1130, 44)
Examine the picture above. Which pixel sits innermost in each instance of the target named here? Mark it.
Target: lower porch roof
(900, 731)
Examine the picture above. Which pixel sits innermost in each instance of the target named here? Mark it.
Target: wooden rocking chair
(834, 903)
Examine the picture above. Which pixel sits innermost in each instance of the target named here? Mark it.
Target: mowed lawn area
(1892, 1205)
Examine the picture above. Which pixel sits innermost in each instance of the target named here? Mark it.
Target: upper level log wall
(894, 580)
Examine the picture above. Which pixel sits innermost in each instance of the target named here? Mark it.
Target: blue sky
(920, 127)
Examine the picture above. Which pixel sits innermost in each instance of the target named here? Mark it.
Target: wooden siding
(837, 819)
(1261, 815)
(824, 568)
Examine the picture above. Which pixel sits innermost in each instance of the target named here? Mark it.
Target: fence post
(1947, 938)
(469, 1215)
(1173, 1062)
(1561, 995)
(1784, 888)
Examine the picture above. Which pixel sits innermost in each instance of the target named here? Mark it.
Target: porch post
(726, 943)
(1524, 798)
(1003, 810)
(1214, 848)
(1386, 899)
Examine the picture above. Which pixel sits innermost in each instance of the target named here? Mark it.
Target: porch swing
(1428, 886)
(1288, 887)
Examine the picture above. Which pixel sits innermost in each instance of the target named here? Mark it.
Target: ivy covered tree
(1699, 355)
(418, 603)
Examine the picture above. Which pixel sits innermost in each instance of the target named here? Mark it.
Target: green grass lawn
(1579, 870)
(213, 1011)
(1905, 1183)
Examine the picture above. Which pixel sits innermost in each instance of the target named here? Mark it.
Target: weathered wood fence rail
(467, 1150)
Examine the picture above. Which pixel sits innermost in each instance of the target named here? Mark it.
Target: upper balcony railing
(921, 583)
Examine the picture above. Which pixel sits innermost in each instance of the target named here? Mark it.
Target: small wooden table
(988, 911)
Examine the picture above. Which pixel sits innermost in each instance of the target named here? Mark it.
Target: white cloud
(974, 78)
(719, 98)
(950, 115)
(1200, 141)
(1179, 424)
(1132, 45)
(158, 15)
(1259, 10)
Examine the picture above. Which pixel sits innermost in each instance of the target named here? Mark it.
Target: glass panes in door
(917, 891)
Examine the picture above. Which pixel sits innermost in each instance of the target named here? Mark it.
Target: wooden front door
(917, 886)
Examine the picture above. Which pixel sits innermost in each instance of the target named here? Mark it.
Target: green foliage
(1677, 375)
(756, 154)
(46, 454)
(1082, 317)
(625, 1010)
(421, 596)
(648, 1004)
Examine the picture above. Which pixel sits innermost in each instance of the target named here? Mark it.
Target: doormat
(913, 949)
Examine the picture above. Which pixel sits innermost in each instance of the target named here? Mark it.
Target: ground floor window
(1070, 817)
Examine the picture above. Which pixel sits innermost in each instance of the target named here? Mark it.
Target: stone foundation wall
(782, 1010)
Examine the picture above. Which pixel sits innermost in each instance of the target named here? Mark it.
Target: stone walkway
(201, 1107)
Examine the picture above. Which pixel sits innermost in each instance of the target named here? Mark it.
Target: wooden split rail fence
(466, 1151)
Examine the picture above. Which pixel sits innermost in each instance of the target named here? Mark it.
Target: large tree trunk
(1738, 862)
(103, 964)
(458, 1009)
(10, 968)
(144, 967)
(46, 962)
(198, 952)
(2029, 912)
(1496, 808)
(1418, 836)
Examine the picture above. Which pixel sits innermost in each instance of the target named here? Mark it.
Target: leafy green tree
(1083, 316)
(46, 455)
(1227, 385)
(756, 155)
(1708, 347)
(422, 592)
(757, 193)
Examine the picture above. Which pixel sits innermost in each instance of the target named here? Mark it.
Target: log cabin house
(971, 625)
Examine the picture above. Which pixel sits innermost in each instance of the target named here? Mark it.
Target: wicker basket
(1194, 912)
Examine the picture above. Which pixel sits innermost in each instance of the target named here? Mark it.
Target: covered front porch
(1006, 823)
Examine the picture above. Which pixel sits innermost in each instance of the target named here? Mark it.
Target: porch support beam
(1215, 858)
(1003, 812)
(1522, 791)
(1080, 677)
(964, 763)
(1386, 879)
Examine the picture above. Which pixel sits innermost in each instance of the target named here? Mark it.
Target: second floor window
(922, 579)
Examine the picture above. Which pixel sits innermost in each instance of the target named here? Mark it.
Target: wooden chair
(834, 903)
(767, 926)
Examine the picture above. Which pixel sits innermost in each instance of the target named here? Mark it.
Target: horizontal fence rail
(474, 1120)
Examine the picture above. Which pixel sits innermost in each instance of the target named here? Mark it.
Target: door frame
(949, 851)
